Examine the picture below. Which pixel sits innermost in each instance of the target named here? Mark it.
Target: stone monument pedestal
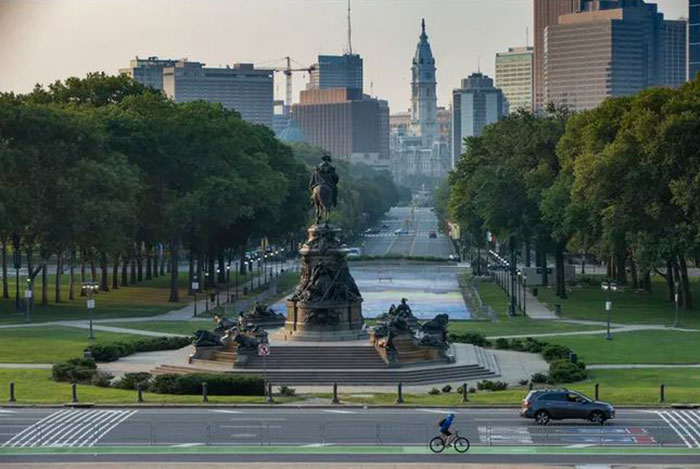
(327, 305)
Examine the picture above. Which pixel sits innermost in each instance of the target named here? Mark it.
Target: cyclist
(445, 425)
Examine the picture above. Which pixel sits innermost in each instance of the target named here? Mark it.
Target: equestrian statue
(324, 189)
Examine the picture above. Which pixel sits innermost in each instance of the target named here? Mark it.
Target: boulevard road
(419, 221)
(307, 434)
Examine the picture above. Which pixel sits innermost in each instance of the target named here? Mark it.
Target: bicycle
(460, 443)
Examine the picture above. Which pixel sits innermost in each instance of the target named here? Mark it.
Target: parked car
(545, 405)
(401, 231)
(432, 234)
(371, 231)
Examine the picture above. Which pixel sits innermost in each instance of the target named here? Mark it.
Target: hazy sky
(42, 41)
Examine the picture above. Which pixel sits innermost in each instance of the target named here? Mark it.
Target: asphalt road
(419, 221)
(182, 430)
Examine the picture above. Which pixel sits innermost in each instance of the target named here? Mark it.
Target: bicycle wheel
(461, 445)
(437, 445)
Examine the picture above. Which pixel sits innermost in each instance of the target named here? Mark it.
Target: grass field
(168, 327)
(516, 326)
(48, 344)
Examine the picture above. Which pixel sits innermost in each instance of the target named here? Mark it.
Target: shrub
(502, 344)
(104, 352)
(218, 384)
(101, 379)
(472, 390)
(76, 370)
(473, 338)
(447, 388)
(132, 380)
(516, 344)
(539, 378)
(114, 351)
(287, 391)
(523, 382)
(563, 371)
(553, 352)
(533, 345)
(488, 385)
(434, 392)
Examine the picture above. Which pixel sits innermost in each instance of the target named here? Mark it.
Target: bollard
(465, 393)
(335, 394)
(399, 396)
(662, 392)
(205, 392)
(139, 388)
(597, 391)
(268, 398)
(74, 389)
(12, 391)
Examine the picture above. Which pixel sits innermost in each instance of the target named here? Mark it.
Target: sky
(46, 40)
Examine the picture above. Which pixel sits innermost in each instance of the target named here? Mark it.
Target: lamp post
(90, 288)
(206, 291)
(195, 288)
(675, 299)
(512, 268)
(28, 294)
(238, 268)
(216, 285)
(17, 257)
(518, 284)
(228, 283)
(524, 295)
(608, 286)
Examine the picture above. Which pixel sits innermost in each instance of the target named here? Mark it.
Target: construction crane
(288, 70)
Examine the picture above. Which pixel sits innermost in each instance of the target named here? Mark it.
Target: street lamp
(675, 299)
(608, 286)
(216, 285)
(195, 288)
(228, 283)
(28, 294)
(89, 288)
(524, 295)
(206, 291)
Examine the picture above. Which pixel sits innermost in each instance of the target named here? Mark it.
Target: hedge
(115, 350)
(75, 370)
(563, 371)
(217, 384)
(474, 338)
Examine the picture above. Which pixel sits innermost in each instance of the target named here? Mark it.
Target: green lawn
(516, 326)
(172, 327)
(628, 306)
(648, 347)
(37, 387)
(48, 344)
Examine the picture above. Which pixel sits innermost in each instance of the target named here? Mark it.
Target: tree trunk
(583, 264)
(200, 268)
(82, 269)
(645, 283)
(620, 263)
(685, 283)
(30, 265)
(528, 262)
(221, 277)
(191, 274)
(93, 270)
(163, 261)
(139, 266)
(125, 271)
(670, 282)
(71, 278)
(633, 272)
(59, 273)
(5, 282)
(543, 262)
(560, 274)
(132, 277)
(149, 255)
(174, 280)
(115, 273)
(44, 286)
(104, 277)
(156, 261)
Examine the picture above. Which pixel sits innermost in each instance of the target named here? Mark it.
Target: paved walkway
(613, 329)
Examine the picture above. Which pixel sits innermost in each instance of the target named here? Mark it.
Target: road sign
(263, 350)
(28, 294)
(608, 306)
(195, 285)
(91, 304)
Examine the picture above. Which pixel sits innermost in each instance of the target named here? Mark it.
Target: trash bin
(557, 310)
(573, 358)
(534, 291)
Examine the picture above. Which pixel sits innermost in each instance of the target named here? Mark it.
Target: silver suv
(544, 405)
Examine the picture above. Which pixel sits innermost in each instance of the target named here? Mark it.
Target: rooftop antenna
(478, 63)
(349, 31)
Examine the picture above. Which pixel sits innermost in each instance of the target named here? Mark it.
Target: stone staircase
(351, 368)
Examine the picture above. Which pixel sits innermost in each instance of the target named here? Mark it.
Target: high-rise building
(347, 124)
(244, 88)
(423, 96)
(148, 72)
(546, 14)
(693, 38)
(475, 105)
(610, 48)
(515, 73)
(337, 71)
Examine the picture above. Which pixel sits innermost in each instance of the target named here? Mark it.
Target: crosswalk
(685, 423)
(69, 428)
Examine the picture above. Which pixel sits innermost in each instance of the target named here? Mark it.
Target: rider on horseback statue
(324, 188)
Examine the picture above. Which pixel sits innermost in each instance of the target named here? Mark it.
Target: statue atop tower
(423, 96)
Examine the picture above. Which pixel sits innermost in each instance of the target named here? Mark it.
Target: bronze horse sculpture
(322, 198)
(324, 189)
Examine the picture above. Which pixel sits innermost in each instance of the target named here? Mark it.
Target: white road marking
(684, 426)
(69, 428)
(225, 411)
(510, 435)
(186, 445)
(435, 411)
(337, 411)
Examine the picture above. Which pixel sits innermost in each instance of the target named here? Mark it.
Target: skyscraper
(148, 72)
(611, 48)
(547, 13)
(693, 38)
(515, 77)
(475, 105)
(423, 97)
(244, 88)
(337, 71)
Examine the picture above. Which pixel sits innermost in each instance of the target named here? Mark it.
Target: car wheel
(597, 417)
(542, 417)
